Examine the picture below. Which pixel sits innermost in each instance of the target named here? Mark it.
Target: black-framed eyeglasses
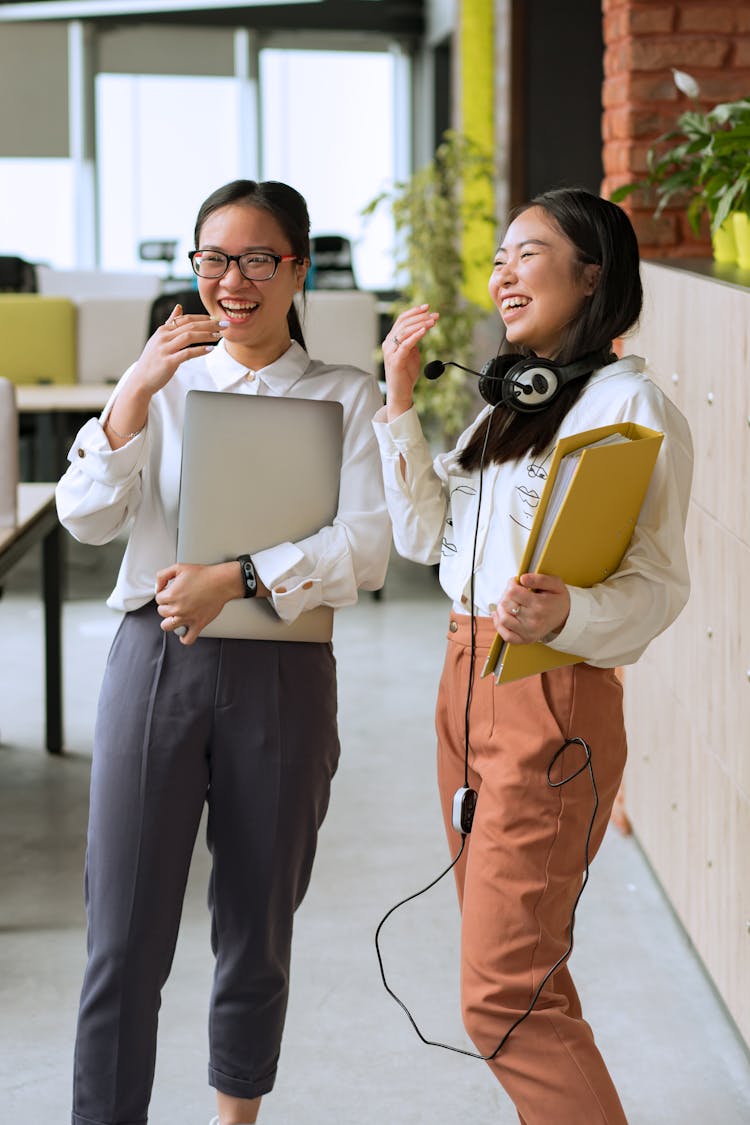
(255, 265)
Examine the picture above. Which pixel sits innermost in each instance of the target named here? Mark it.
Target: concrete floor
(350, 1056)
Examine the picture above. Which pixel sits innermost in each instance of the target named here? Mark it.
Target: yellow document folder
(595, 488)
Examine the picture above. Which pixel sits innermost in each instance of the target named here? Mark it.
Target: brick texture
(644, 41)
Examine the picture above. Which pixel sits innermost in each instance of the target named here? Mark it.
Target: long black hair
(601, 234)
(288, 208)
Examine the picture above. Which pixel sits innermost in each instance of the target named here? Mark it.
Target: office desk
(50, 407)
(37, 523)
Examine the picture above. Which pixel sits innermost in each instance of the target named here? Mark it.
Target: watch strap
(249, 577)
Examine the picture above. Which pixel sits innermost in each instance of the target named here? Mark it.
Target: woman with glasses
(542, 756)
(246, 727)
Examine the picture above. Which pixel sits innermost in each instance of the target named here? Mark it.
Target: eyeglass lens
(254, 266)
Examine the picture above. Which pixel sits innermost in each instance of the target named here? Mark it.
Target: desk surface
(35, 501)
(43, 398)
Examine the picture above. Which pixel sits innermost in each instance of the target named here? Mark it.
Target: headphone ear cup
(535, 385)
(492, 385)
(528, 384)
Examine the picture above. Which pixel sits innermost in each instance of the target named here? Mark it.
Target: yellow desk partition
(38, 338)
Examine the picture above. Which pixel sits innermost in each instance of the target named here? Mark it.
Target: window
(327, 128)
(163, 145)
(37, 221)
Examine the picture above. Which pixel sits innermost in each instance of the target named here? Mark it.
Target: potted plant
(428, 212)
(707, 163)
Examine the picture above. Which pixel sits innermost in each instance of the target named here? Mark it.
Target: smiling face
(538, 284)
(258, 332)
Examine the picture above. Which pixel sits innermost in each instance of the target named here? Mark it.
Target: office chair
(17, 275)
(332, 268)
(162, 306)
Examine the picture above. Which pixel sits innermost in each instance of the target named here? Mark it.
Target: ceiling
(392, 17)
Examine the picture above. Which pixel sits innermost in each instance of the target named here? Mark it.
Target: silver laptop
(257, 471)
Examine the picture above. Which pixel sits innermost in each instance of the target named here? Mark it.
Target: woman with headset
(244, 727)
(546, 753)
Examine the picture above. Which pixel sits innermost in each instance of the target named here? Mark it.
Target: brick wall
(710, 40)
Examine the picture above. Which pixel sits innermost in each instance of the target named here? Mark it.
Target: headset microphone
(435, 369)
(523, 383)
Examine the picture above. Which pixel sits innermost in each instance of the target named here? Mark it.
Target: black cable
(473, 648)
(560, 961)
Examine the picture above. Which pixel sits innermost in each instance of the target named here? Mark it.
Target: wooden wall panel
(687, 700)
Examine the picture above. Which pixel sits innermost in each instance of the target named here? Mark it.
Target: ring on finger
(516, 610)
(396, 341)
(172, 323)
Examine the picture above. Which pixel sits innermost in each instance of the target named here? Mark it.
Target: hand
(192, 596)
(531, 608)
(171, 344)
(181, 337)
(402, 358)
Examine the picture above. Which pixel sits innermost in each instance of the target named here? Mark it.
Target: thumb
(540, 581)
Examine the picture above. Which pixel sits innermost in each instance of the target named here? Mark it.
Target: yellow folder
(589, 507)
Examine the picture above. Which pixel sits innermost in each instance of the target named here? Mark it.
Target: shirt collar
(626, 363)
(279, 376)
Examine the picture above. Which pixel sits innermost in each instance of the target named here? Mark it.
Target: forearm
(128, 414)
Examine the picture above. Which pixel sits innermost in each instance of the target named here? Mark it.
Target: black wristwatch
(249, 577)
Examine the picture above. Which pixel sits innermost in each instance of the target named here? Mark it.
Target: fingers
(531, 608)
(545, 582)
(173, 624)
(191, 330)
(163, 578)
(408, 329)
(509, 621)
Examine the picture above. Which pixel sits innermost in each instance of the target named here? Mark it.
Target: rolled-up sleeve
(415, 492)
(101, 489)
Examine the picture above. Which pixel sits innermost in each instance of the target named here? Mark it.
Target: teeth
(515, 302)
(238, 310)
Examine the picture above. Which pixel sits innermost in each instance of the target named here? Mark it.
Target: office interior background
(120, 117)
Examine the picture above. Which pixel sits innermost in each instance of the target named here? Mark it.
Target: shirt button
(464, 599)
(453, 626)
(81, 452)
(492, 607)
(250, 377)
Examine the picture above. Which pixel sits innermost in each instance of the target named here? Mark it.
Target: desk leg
(51, 589)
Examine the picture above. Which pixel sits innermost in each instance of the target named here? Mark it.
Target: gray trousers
(250, 728)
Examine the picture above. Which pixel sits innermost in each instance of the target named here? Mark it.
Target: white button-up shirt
(105, 490)
(434, 513)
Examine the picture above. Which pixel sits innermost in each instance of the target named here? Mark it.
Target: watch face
(248, 573)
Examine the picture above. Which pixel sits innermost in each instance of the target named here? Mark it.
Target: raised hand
(402, 358)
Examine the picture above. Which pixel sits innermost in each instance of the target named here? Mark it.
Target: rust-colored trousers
(523, 866)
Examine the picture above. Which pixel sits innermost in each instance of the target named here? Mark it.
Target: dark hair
(284, 203)
(602, 234)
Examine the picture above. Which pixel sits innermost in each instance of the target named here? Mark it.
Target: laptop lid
(256, 471)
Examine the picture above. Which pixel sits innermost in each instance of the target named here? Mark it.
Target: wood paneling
(688, 699)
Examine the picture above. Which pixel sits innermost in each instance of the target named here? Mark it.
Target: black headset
(525, 384)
